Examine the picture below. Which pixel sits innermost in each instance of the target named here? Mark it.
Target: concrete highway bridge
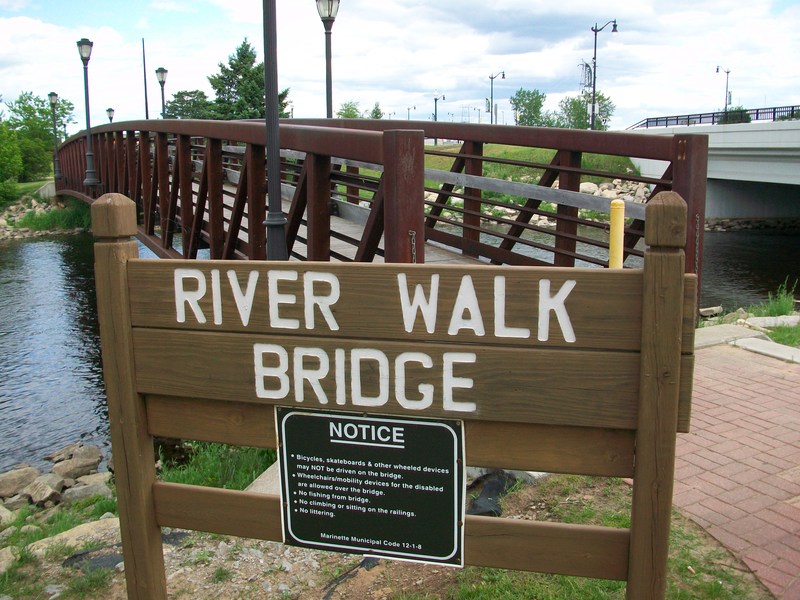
(753, 168)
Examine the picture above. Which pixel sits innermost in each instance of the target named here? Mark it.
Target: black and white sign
(384, 486)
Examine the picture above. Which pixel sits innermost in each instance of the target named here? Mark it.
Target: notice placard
(384, 486)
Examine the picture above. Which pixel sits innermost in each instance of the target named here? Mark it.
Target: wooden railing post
(113, 223)
(659, 388)
(689, 179)
(404, 180)
(318, 207)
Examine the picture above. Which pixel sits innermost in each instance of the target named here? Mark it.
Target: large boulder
(41, 493)
(81, 492)
(84, 460)
(14, 481)
(104, 529)
(6, 517)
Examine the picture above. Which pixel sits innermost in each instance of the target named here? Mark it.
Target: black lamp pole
(276, 221)
(161, 75)
(502, 75)
(327, 10)
(53, 97)
(597, 30)
(436, 99)
(727, 74)
(85, 49)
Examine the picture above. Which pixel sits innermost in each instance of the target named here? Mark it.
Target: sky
(402, 54)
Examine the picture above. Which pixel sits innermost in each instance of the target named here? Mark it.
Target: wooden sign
(584, 371)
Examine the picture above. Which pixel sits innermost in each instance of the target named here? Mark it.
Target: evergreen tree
(192, 104)
(376, 112)
(239, 87)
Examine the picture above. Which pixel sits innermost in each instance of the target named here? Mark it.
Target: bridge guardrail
(489, 208)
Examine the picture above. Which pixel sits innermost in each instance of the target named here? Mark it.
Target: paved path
(737, 474)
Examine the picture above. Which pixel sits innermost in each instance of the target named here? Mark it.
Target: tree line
(573, 111)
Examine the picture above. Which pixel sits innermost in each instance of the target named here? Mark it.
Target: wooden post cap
(113, 216)
(666, 221)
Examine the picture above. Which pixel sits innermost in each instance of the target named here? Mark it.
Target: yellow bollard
(617, 234)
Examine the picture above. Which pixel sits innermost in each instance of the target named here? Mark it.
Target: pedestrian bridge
(752, 168)
(370, 190)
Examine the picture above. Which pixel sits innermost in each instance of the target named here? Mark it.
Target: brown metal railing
(204, 183)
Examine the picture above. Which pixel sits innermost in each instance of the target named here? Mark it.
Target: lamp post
(275, 222)
(327, 10)
(110, 114)
(85, 50)
(409, 111)
(53, 97)
(597, 30)
(502, 75)
(161, 75)
(436, 99)
(727, 99)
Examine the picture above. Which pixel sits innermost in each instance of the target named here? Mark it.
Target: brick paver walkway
(737, 474)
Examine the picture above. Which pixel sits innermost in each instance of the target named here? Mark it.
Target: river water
(51, 387)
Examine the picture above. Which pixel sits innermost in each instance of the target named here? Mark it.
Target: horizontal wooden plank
(519, 446)
(556, 387)
(492, 542)
(474, 304)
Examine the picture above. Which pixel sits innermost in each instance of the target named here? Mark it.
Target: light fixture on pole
(597, 30)
(727, 96)
(53, 97)
(409, 111)
(161, 75)
(110, 114)
(436, 99)
(85, 50)
(327, 10)
(501, 75)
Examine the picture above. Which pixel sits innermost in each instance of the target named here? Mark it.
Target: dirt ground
(203, 566)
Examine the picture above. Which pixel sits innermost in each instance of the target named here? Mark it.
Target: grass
(220, 466)
(74, 215)
(22, 580)
(782, 303)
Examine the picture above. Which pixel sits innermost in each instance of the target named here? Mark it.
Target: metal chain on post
(697, 244)
(413, 235)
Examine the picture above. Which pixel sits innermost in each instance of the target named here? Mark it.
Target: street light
(727, 98)
(436, 99)
(502, 75)
(110, 114)
(409, 111)
(597, 30)
(327, 10)
(161, 75)
(85, 50)
(53, 97)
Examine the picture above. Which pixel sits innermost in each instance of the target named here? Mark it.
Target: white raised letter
(244, 300)
(556, 304)
(500, 328)
(427, 306)
(425, 389)
(323, 302)
(276, 299)
(313, 376)
(357, 356)
(466, 301)
(278, 372)
(183, 296)
(450, 381)
(216, 297)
